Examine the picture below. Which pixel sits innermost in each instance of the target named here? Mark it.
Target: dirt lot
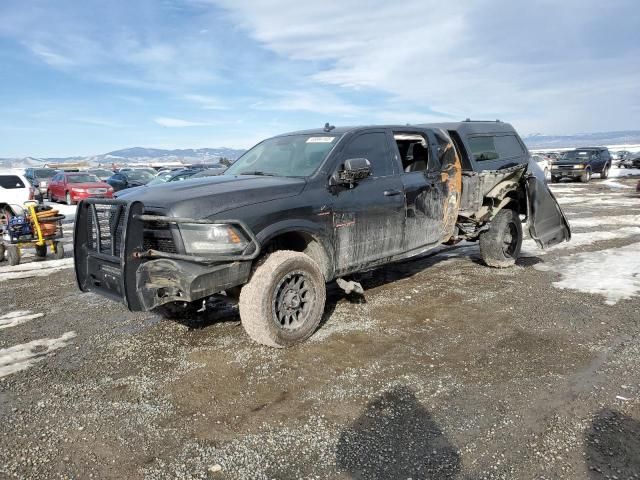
(446, 369)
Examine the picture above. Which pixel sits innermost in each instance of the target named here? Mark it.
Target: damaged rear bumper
(110, 258)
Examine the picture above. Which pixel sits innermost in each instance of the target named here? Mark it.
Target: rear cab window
(11, 182)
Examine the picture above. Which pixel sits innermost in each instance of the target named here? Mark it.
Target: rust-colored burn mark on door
(451, 175)
(341, 220)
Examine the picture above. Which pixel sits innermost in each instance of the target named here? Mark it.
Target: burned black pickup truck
(302, 209)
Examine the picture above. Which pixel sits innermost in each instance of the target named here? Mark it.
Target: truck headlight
(202, 239)
(579, 166)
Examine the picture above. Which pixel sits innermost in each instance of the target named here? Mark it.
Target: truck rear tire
(500, 245)
(283, 302)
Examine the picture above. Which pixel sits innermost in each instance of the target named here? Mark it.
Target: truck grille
(106, 236)
(158, 236)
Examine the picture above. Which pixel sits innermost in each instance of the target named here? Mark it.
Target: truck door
(431, 181)
(368, 219)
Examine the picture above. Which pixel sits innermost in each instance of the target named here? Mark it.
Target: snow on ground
(18, 317)
(624, 172)
(613, 184)
(599, 201)
(581, 239)
(34, 269)
(612, 273)
(632, 220)
(23, 356)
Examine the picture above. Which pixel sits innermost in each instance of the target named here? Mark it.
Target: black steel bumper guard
(110, 258)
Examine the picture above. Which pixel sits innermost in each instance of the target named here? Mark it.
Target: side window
(508, 146)
(483, 148)
(495, 147)
(11, 182)
(414, 152)
(372, 146)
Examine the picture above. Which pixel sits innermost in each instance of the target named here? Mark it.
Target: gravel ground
(445, 369)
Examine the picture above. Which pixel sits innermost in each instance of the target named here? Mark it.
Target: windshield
(82, 179)
(289, 156)
(579, 155)
(162, 178)
(139, 176)
(44, 173)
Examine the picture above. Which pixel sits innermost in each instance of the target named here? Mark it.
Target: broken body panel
(424, 196)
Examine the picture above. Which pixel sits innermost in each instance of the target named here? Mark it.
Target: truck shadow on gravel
(395, 437)
(612, 446)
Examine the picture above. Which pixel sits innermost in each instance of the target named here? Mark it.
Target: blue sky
(86, 77)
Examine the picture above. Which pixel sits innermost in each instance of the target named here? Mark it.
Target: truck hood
(205, 197)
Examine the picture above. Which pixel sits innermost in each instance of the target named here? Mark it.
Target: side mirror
(353, 169)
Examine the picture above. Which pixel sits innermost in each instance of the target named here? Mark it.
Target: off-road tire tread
(255, 298)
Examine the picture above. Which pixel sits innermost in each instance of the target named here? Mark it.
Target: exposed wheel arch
(300, 240)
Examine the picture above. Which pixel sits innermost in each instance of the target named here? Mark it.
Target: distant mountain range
(133, 155)
(628, 137)
(190, 155)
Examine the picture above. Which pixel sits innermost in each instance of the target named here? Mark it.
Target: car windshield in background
(162, 178)
(288, 156)
(578, 155)
(101, 173)
(44, 173)
(139, 176)
(82, 179)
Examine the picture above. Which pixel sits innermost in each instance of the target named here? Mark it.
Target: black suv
(581, 163)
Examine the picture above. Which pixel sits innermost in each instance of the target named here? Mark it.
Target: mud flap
(547, 223)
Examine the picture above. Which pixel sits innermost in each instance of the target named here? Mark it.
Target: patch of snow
(584, 238)
(632, 220)
(18, 317)
(34, 269)
(624, 172)
(613, 273)
(613, 184)
(602, 200)
(21, 357)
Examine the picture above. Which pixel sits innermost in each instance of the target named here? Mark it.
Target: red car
(72, 187)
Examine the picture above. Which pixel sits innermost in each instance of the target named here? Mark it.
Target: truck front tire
(283, 302)
(500, 244)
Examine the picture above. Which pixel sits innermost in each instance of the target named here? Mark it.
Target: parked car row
(72, 186)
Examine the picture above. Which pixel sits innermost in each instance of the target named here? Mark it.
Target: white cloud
(541, 64)
(178, 123)
(206, 102)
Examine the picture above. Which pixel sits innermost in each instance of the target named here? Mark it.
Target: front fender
(308, 227)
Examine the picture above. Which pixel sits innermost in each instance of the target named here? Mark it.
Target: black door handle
(391, 193)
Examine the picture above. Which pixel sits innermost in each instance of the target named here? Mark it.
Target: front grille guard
(109, 246)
